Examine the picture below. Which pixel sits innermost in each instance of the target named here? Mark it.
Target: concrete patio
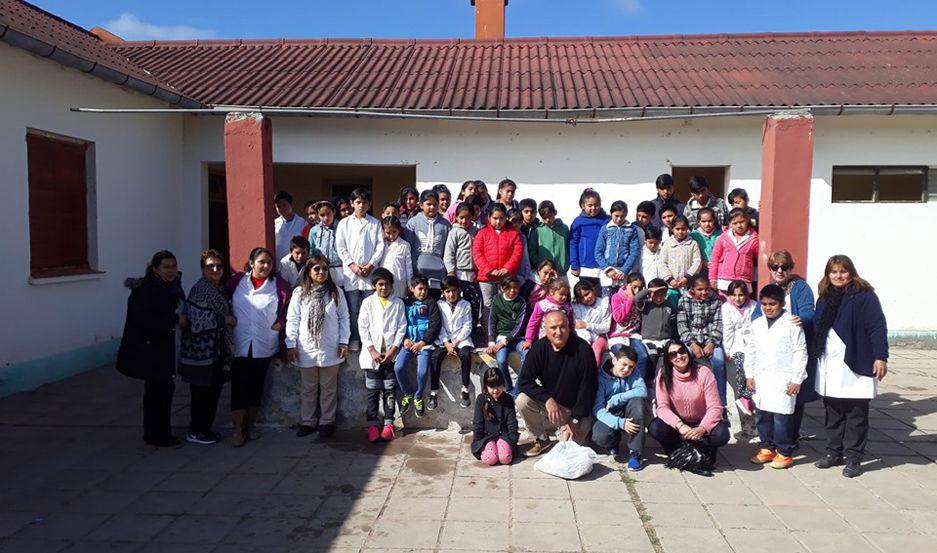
(77, 478)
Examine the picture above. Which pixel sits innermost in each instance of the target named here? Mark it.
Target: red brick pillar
(248, 152)
(786, 168)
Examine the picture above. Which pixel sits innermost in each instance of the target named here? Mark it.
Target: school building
(111, 150)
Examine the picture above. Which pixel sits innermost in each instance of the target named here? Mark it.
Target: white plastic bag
(567, 460)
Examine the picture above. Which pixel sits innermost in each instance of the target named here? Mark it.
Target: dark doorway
(716, 176)
(217, 212)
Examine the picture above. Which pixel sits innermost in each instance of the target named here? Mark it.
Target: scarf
(832, 302)
(316, 294)
(211, 300)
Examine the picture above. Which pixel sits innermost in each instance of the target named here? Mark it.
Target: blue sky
(177, 19)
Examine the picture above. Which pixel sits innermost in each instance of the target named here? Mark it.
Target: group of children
(438, 277)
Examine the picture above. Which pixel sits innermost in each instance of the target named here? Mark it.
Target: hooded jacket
(731, 260)
(614, 393)
(148, 344)
(428, 245)
(582, 237)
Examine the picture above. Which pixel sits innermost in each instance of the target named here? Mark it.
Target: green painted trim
(29, 375)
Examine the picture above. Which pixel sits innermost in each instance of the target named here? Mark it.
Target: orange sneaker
(782, 462)
(763, 456)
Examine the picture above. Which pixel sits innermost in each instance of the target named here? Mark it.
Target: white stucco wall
(138, 181)
(622, 160)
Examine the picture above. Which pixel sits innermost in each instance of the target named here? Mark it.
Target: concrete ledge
(29, 375)
(281, 395)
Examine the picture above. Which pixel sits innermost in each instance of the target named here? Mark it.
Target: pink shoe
(388, 433)
(373, 433)
(746, 406)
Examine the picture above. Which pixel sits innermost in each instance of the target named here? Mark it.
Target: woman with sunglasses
(800, 302)
(206, 346)
(688, 405)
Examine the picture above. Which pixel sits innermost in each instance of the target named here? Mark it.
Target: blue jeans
(640, 349)
(718, 365)
(402, 369)
(354, 299)
(502, 358)
(776, 432)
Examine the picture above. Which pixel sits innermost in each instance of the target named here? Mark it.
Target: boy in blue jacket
(617, 249)
(620, 405)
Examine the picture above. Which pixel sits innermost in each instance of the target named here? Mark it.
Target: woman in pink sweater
(734, 254)
(688, 405)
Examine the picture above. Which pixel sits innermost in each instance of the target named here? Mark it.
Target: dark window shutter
(58, 209)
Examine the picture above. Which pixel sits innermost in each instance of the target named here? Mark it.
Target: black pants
(381, 384)
(670, 439)
(797, 421)
(247, 381)
(472, 293)
(157, 408)
(609, 438)
(847, 427)
(439, 355)
(204, 403)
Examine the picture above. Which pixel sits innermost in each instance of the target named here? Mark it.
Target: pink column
(248, 152)
(786, 168)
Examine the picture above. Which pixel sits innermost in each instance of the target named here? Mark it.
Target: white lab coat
(256, 312)
(380, 327)
(359, 241)
(284, 231)
(736, 327)
(335, 331)
(289, 271)
(776, 357)
(598, 319)
(456, 323)
(836, 379)
(398, 260)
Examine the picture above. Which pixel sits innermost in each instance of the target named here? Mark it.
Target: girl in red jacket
(497, 251)
(735, 253)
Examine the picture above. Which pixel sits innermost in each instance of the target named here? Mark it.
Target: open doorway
(715, 175)
(306, 181)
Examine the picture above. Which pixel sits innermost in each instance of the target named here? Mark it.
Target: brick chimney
(106, 36)
(489, 18)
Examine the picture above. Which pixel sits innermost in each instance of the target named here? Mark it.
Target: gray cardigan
(458, 254)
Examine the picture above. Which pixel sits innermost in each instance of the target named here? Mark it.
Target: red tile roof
(40, 32)
(553, 73)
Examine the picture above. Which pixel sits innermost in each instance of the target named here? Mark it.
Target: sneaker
(852, 469)
(782, 462)
(387, 434)
(763, 456)
(326, 430)
(405, 403)
(745, 405)
(537, 447)
(466, 401)
(829, 461)
(199, 438)
(418, 407)
(431, 402)
(374, 434)
(634, 461)
(305, 430)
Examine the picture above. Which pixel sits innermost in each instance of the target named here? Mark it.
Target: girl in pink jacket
(626, 322)
(557, 299)
(735, 253)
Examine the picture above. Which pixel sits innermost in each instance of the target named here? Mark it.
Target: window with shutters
(880, 184)
(59, 169)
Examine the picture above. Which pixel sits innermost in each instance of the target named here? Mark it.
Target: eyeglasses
(214, 267)
(677, 353)
(779, 267)
(319, 269)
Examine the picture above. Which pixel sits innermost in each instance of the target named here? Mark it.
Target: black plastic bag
(691, 456)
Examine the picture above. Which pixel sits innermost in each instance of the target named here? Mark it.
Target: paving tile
(615, 539)
(198, 529)
(64, 526)
(812, 519)
(189, 482)
(271, 532)
(103, 547)
(902, 543)
(415, 534)
(480, 487)
(340, 508)
(535, 488)
(243, 482)
(415, 508)
(131, 527)
(753, 517)
(854, 495)
(171, 503)
(691, 540)
(11, 522)
(19, 545)
(478, 509)
(681, 515)
(544, 537)
(543, 510)
(473, 536)
(755, 540)
(829, 542)
(722, 490)
(658, 492)
(423, 486)
(474, 467)
(617, 513)
(877, 520)
(524, 468)
(599, 490)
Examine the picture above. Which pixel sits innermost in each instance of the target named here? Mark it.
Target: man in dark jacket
(664, 197)
(558, 385)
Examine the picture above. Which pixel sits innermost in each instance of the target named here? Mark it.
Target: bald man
(557, 385)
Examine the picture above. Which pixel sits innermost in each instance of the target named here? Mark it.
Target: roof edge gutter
(43, 49)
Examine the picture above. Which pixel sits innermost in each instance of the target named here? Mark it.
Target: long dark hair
(492, 378)
(832, 298)
(257, 252)
(156, 261)
(305, 279)
(856, 284)
(666, 369)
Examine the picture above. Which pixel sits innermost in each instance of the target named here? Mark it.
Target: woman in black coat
(495, 433)
(148, 346)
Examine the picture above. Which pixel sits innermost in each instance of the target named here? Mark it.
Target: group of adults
(848, 349)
